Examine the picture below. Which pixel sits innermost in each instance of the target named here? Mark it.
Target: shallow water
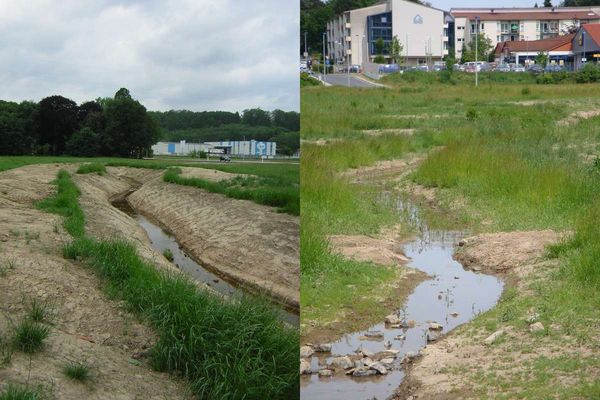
(161, 240)
(450, 289)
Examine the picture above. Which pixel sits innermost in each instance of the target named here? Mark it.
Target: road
(355, 81)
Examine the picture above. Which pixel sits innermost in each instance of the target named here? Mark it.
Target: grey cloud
(200, 55)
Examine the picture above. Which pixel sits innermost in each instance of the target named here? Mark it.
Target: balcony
(348, 38)
(348, 26)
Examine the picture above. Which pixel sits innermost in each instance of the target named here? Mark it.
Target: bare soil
(85, 325)
(577, 116)
(208, 174)
(368, 249)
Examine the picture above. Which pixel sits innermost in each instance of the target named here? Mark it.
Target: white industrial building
(422, 31)
(247, 148)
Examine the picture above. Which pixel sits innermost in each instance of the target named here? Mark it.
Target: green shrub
(307, 80)
(64, 203)
(168, 254)
(589, 73)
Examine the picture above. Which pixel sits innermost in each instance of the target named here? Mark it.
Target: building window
(379, 27)
(505, 27)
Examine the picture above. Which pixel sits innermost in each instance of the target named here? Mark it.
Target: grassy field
(227, 349)
(498, 158)
(277, 184)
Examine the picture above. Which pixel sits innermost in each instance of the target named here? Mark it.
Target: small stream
(161, 240)
(451, 297)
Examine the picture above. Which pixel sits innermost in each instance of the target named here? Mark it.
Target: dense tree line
(277, 126)
(580, 3)
(314, 15)
(118, 126)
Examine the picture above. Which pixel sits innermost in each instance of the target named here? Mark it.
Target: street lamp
(324, 66)
(476, 40)
(305, 48)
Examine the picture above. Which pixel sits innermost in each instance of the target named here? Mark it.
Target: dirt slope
(247, 242)
(85, 326)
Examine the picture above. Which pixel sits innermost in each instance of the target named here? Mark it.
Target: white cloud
(193, 54)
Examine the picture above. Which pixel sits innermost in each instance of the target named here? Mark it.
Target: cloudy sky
(171, 54)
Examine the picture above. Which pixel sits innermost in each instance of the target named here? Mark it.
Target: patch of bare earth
(577, 116)
(250, 244)
(368, 249)
(208, 174)
(449, 367)
(85, 325)
(379, 132)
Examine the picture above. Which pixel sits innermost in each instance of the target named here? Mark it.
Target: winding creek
(451, 296)
(162, 240)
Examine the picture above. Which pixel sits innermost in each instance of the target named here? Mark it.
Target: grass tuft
(89, 168)
(77, 371)
(29, 336)
(38, 311)
(16, 392)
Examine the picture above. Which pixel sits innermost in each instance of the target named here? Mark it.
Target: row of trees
(117, 126)
(184, 119)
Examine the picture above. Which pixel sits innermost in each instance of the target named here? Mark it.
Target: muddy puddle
(451, 297)
(161, 241)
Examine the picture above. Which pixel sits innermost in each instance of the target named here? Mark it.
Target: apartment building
(425, 33)
(519, 24)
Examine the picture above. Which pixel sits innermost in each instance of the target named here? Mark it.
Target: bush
(588, 74)
(168, 254)
(84, 143)
(14, 392)
(307, 80)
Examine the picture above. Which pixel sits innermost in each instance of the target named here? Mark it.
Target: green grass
(17, 392)
(65, 203)
(498, 160)
(267, 190)
(29, 336)
(93, 167)
(226, 348)
(77, 371)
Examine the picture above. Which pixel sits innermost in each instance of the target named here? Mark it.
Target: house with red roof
(559, 50)
(586, 45)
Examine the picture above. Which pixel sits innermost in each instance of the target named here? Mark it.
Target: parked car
(554, 68)
(517, 68)
(388, 68)
(503, 68)
(439, 67)
(355, 68)
(536, 69)
(424, 68)
(224, 158)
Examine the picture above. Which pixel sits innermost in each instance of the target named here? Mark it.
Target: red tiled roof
(523, 16)
(558, 43)
(593, 31)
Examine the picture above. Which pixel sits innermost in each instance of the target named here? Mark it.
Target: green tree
(396, 51)
(580, 3)
(547, 3)
(85, 143)
(287, 142)
(484, 47)
(289, 120)
(18, 135)
(542, 59)
(130, 130)
(256, 117)
(56, 122)
(123, 93)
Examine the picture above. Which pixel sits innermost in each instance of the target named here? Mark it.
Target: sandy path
(85, 325)
(249, 243)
